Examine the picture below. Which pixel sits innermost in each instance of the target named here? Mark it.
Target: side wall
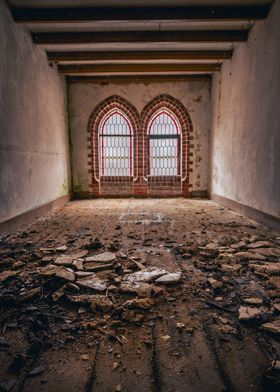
(33, 124)
(245, 147)
(194, 95)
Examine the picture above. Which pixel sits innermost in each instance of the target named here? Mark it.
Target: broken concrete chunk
(93, 283)
(171, 278)
(248, 313)
(65, 275)
(106, 257)
(147, 275)
(273, 327)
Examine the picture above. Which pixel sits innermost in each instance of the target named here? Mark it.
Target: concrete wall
(194, 95)
(33, 131)
(246, 123)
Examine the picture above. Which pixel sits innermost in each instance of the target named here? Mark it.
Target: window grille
(116, 145)
(164, 136)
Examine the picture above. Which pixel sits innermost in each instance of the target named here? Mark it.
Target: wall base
(261, 217)
(29, 216)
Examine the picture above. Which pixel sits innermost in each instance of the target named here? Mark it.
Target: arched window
(164, 144)
(116, 145)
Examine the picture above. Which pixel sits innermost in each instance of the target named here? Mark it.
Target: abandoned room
(139, 195)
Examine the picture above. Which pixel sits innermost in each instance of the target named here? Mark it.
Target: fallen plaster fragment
(253, 301)
(83, 274)
(273, 327)
(171, 278)
(62, 248)
(66, 275)
(68, 259)
(215, 284)
(98, 267)
(165, 337)
(247, 313)
(147, 275)
(106, 257)
(78, 264)
(140, 288)
(93, 282)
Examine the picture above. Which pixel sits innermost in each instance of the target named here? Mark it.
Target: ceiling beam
(140, 36)
(138, 79)
(141, 55)
(134, 68)
(68, 15)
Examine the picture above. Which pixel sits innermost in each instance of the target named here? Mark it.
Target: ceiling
(122, 39)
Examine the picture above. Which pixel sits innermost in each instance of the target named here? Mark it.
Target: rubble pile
(81, 290)
(106, 289)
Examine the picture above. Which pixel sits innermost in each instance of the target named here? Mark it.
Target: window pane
(115, 146)
(164, 145)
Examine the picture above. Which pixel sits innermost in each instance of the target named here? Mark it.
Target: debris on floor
(58, 289)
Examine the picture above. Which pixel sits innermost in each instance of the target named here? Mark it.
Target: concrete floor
(189, 339)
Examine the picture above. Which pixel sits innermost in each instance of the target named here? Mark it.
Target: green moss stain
(63, 190)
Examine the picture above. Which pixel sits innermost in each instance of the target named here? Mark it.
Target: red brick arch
(175, 106)
(125, 183)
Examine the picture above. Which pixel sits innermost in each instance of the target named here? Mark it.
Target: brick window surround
(140, 184)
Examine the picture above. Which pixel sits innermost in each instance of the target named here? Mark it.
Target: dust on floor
(140, 295)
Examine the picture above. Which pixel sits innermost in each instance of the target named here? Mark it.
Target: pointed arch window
(115, 145)
(164, 144)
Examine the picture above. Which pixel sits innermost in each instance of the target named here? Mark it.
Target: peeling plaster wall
(193, 94)
(33, 131)
(246, 122)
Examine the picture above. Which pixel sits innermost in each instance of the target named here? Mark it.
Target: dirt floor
(120, 321)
